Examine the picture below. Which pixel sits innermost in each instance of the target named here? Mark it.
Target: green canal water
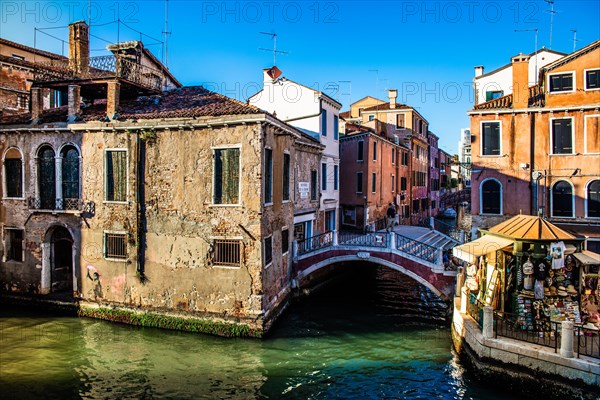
(362, 337)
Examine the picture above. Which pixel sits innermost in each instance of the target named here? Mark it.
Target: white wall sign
(303, 188)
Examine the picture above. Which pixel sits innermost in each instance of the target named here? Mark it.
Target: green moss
(154, 320)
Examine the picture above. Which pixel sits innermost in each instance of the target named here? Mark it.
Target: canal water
(365, 336)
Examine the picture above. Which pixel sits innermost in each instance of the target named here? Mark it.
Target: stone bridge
(418, 260)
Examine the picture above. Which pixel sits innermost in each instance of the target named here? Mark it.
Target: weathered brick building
(152, 203)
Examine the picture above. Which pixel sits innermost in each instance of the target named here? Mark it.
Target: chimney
(478, 71)
(79, 47)
(392, 94)
(520, 75)
(74, 95)
(37, 102)
(112, 99)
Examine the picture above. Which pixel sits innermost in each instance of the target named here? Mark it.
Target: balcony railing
(102, 67)
(315, 243)
(61, 205)
(372, 239)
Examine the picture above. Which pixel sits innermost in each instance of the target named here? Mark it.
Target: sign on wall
(303, 188)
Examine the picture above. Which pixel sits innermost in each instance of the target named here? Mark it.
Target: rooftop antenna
(274, 50)
(552, 12)
(536, 44)
(166, 33)
(574, 38)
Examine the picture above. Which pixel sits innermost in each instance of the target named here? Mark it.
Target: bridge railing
(372, 239)
(315, 243)
(417, 249)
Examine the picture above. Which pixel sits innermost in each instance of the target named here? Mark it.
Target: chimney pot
(520, 75)
(112, 99)
(79, 47)
(37, 103)
(392, 94)
(478, 71)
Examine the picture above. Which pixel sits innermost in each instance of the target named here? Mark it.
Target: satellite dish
(274, 72)
(536, 175)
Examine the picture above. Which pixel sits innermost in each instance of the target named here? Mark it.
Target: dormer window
(562, 82)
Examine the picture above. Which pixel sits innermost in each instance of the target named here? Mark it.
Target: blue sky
(349, 49)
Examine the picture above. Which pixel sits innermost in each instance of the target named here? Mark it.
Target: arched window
(47, 178)
(562, 199)
(70, 176)
(13, 173)
(593, 199)
(491, 197)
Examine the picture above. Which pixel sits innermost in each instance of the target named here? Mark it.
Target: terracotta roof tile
(43, 53)
(386, 106)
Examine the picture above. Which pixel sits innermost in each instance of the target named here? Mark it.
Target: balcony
(102, 68)
(62, 205)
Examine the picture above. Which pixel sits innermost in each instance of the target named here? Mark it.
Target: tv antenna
(166, 33)
(552, 12)
(274, 50)
(536, 44)
(574, 38)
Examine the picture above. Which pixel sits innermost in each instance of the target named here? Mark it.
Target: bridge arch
(374, 260)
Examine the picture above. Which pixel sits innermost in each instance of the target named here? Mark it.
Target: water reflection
(349, 342)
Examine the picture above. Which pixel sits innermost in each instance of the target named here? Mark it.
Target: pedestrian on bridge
(391, 217)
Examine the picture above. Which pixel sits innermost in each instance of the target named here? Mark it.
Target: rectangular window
(13, 168)
(433, 204)
(226, 252)
(360, 153)
(592, 79)
(324, 122)
(268, 250)
(330, 221)
(115, 245)
(493, 94)
(424, 204)
(393, 156)
(14, 244)
(415, 206)
(313, 185)
(374, 151)
(336, 127)
(393, 183)
(490, 138)
(402, 183)
(371, 117)
(226, 176)
(359, 182)
(323, 176)
(562, 136)
(268, 176)
(335, 177)
(561, 82)
(285, 241)
(286, 176)
(374, 182)
(116, 175)
(400, 123)
(404, 158)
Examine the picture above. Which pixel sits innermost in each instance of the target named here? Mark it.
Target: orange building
(537, 150)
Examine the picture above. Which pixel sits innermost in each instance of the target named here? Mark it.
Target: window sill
(490, 215)
(563, 154)
(14, 198)
(360, 160)
(590, 154)
(115, 202)
(269, 204)
(561, 91)
(269, 264)
(591, 90)
(554, 216)
(226, 267)
(224, 205)
(490, 156)
(115, 259)
(286, 201)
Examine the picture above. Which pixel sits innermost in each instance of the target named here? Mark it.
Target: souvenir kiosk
(535, 272)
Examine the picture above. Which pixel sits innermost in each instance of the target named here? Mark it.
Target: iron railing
(475, 309)
(100, 67)
(61, 205)
(508, 325)
(587, 342)
(226, 252)
(380, 224)
(315, 243)
(416, 248)
(371, 239)
(449, 230)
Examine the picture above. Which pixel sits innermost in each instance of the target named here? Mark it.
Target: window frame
(323, 122)
(104, 245)
(393, 183)
(336, 127)
(268, 263)
(7, 248)
(360, 151)
(285, 250)
(361, 182)
(286, 183)
(116, 149)
(587, 199)
(336, 179)
(374, 182)
(551, 126)
(227, 265)
(552, 199)
(501, 208)
(323, 176)
(398, 127)
(573, 77)
(240, 180)
(4, 175)
(481, 134)
(374, 150)
(585, 126)
(268, 177)
(314, 184)
(585, 82)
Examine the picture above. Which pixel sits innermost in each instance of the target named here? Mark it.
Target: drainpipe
(535, 179)
(140, 199)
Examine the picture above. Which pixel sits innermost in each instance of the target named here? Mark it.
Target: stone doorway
(58, 261)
